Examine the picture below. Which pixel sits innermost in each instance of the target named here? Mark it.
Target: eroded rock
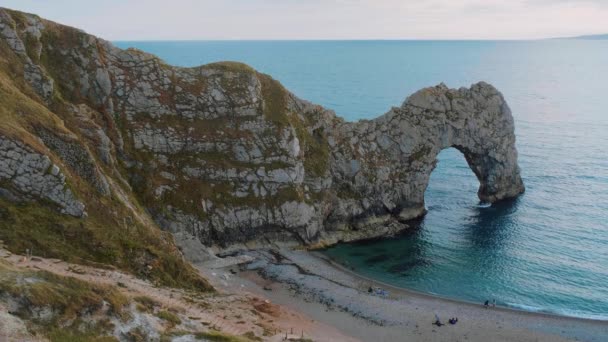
(226, 154)
(33, 175)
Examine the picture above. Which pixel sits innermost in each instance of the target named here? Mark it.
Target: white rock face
(33, 73)
(394, 155)
(35, 176)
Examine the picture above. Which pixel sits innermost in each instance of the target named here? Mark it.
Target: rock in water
(224, 153)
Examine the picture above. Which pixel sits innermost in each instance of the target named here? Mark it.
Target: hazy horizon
(205, 20)
(152, 40)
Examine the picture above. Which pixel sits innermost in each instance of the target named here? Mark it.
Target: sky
(324, 19)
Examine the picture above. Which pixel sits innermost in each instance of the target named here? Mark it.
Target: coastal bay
(310, 283)
(541, 252)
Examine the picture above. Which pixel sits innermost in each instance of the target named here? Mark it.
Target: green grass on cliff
(314, 144)
(170, 317)
(20, 108)
(217, 336)
(275, 101)
(230, 66)
(68, 298)
(98, 239)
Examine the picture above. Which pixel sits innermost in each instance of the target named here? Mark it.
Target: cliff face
(221, 152)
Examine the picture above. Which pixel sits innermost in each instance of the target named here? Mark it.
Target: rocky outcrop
(227, 155)
(77, 156)
(388, 161)
(31, 175)
(33, 27)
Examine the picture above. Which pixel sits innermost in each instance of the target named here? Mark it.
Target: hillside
(61, 193)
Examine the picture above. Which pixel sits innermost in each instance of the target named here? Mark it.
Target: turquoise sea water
(546, 251)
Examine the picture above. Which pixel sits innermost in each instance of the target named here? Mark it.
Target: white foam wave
(560, 312)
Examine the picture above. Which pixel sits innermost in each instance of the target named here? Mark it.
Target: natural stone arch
(481, 166)
(396, 153)
(478, 123)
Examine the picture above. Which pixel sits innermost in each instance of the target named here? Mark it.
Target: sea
(546, 251)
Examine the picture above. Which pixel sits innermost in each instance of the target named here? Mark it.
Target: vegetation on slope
(314, 144)
(98, 239)
(64, 300)
(110, 234)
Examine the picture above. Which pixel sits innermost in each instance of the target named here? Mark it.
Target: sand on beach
(315, 287)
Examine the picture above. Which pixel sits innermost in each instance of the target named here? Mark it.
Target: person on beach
(493, 303)
(487, 304)
(437, 321)
(453, 320)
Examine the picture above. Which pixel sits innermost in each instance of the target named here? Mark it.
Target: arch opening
(452, 181)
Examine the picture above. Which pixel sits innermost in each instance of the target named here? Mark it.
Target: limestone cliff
(221, 152)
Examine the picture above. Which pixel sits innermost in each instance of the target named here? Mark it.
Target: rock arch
(396, 152)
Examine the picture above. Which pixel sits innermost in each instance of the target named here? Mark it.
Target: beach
(303, 296)
(312, 285)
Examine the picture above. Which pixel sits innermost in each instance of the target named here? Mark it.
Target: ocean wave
(524, 307)
(559, 312)
(585, 315)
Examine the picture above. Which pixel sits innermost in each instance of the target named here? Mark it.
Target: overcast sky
(324, 19)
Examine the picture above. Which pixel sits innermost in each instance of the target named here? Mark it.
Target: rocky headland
(226, 154)
(113, 157)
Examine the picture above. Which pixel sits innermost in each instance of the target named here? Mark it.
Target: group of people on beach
(383, 293)
(454, 320)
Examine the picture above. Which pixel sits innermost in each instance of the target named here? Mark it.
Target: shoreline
(407, 291)
(316, 286)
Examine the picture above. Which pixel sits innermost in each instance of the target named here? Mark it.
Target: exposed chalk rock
(33, 175)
